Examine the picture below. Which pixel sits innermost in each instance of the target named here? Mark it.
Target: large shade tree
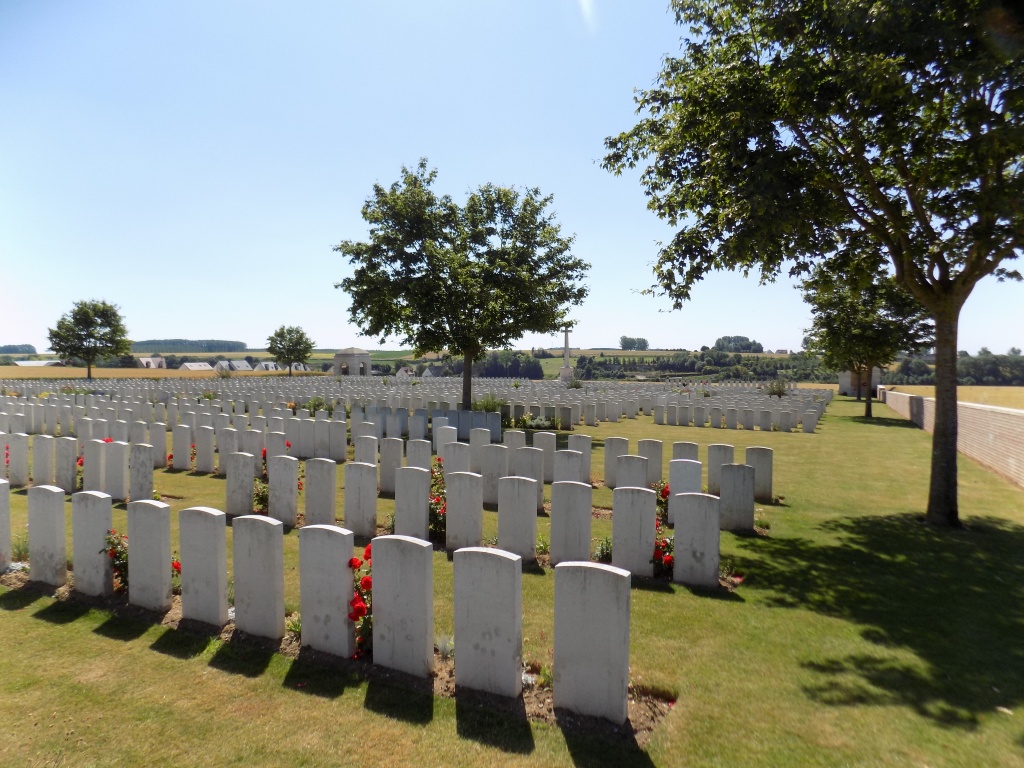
(91, 331)
(289, 345)
(460, 278)
(784, 129)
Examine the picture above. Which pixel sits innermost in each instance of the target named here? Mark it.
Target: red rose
(355, 563)
(359, 609)
(366, 583)
(664, 492)
(353, 617)
(657, 555)
(366, 552)
(669, 560)
(287, 444)
(264, 454)
(176, 566)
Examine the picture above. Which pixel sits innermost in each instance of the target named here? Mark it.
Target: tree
(787, 129)
(862, 322)
(92, 330)
(461, 279)
(627, 343)
(289, 345)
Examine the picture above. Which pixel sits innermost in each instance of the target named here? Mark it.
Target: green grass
(858, 637)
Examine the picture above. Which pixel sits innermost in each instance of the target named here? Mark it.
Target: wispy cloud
(587, 10)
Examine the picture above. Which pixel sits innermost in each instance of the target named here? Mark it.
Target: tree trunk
(467, 382)
(943, 509)
(290, 373)
(867, 395)
(860, 374)
(88, 370)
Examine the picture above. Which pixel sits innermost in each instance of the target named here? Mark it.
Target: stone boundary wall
(993, 436)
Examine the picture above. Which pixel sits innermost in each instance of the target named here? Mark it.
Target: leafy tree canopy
(787, 129)
(289, 345)
(90, 331)
(863, 321)
(631, 342)
(460, 278)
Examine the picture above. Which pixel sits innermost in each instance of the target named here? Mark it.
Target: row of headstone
(592, 601)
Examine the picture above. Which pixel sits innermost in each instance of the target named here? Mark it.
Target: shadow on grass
(880, 421)
(123, 628)
(508, 729)
(18, 599)
(953, 598)
(588, 750)
(62, 612)
(246, 659)
(182, 645)
(309, 673)
(413, 704)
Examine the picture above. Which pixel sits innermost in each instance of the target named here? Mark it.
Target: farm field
(856, 637)
(1003, 397)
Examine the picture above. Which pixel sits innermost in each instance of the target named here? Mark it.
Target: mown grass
(858, 637)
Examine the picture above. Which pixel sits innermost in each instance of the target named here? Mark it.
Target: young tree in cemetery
(863, 321)
(460, 278)
(785, 129)
(288, 345)
(92, 330)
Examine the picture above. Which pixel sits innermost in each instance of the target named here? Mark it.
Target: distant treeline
(17, 349)
(188, 345)
(982, 369)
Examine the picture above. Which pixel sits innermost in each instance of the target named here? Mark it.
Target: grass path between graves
(858, 637)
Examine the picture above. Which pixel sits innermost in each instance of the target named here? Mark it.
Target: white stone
(633, 514)
(478, 438)
(366, 449)
(418, 454)
(493, 466)
(591, 654)
(571, 507)
(140, 471)
(444, 435)
(361, 498)
(683, 450)
(5, 524)
(718, 454)
(454, 457)
(283, 497)
(696, 551)
(239, 484)
(91, 518)
(737, 498)
(613, 448)
(181, 447)
(403, 604)
(568, 466)
(412, 497)
(320, 491)
(583, 444)
(66, 475)
(684, 476)
(488, 592)
(204, 450)
(47, 547)
(204, 565)
(762, 460)
(149, 554)
(464, 503)
(652, 451)
(338, 437)
(43, 459)
(392, 450)
(258, 560)
(517, 517)
(115, 470)
(325, 586)
(631, 472)
(17, 469)
(546, 441)
(529, 462)
(514, 439)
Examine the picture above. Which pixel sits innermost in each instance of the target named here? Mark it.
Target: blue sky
(194, 162)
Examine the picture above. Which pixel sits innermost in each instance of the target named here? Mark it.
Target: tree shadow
(953, 598)
(618, 747)
(881, 421)
(412, 703)
(310, 673)
(506, 727)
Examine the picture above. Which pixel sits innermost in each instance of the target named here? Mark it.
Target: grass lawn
(858, 637)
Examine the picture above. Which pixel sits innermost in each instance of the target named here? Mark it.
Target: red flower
(112, 552)
(366, 552)
(355, 563)
(108, 439)
(170, 457)
(300, 485)
(81, 460)
(359, 609)
(366, 583)
(658, 554)
(176, 566)
(668, 561)
(664, 492)
(352, 616)
(264, 454)
(287, 443)
(439, 460)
